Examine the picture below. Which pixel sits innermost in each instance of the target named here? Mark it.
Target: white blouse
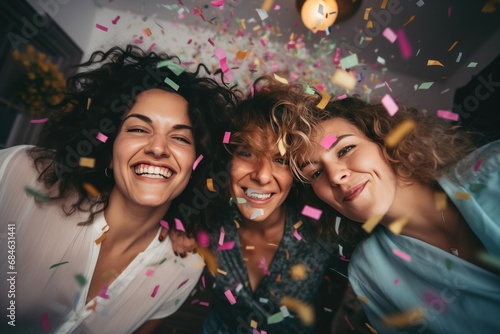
(55, 260)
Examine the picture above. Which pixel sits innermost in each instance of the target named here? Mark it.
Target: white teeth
(154, 172)
(257, 194)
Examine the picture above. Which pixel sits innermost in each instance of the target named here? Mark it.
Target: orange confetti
(90, 189)
(298, 272)
(304, 311)
(241, 54)
(210, 185)
(100, 239)
(452, 46)
(399, 132)
(87, 162)
(397, 226)
(409, 21)
(440, 200)
(325, 97)
(462, 196)
(432, 62)
(404, 318)
(147, 31)
(384, 4)
(370, 224)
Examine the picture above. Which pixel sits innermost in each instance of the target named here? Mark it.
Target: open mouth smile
(153, 172)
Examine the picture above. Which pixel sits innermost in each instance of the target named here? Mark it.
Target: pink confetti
(477, 164)
(115, 21)
(45, 322)
(348, 322)
(103, 291)
(182, 284)
(203, 281)
(101, 137)
(402, 255)
(204, 303)
(151, 47)
(328, 141)
(227, 136)
(297, 235)
(155, 291)
(203, 239)
(103, 28)
(197, 161)
(447, 115)
(149, 272)
(226, 246)
(263, 266)
(309, 211)
(341, 97)
(390, 35)
(164, 223)
(39, 120)
(189, 42)
(178, 225)
(217, 3)
(230, 297)
(211, 42)
(389, 104)
(263, 42)
(222, 234)
(449, 12)
(404, 45)
(397, 281)
(388, 87)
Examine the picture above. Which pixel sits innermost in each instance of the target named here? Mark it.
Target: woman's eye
(247, 154)
(345, 150)
(182, 139)
(136, 130)
(282, 161)
(316, 174)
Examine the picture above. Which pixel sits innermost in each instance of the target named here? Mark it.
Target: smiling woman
(116, 159)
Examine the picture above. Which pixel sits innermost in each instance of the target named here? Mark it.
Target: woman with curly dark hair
(429, 200)
(120, 155)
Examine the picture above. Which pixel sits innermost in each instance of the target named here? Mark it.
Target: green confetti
(172, 84)
(176, 69)
(58, 264)
(477, 186)
(177, 301)
(472, 64)
(349, 61)
(35, 193)
(240, 200)
(489, 260)
(163, 260)
(80, 279)
(275, 318)
(425, 85)
(448, 264)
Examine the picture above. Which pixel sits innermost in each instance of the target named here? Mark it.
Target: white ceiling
(436, 26)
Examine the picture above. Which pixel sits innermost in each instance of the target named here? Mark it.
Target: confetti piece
(281, 147)
(472, 64)
(297, 235)
(477, 186)
(397, 226)
(155, 291)
(298, 224)
(402, 255)
(266, 5)
(227, 137)
(425, 85)
(309, 211)
(87, 162)
(342, 96)
(489, 260)
(36, 194)
(370, 224)
(280, 79)
(409, 317)
(397, 281)
(262, 14)
(253, 324)
(101, 137)
(337, 225)
(462, 196)
(102, 293)
(165, 224)
(222, 234)
(80, 279)
(257, 213)
(348, 322)
(240, 200)
(389, 104)
(39, 120)
(175, 68)
(115, 21)
(204, 304)
(367, 13)
(328, 141)
(182, 283)
(432, 62)
(477, 164)
(380, 60)
(305, 312)
(210, 185)
(211, 42)
(147, 32)
(373, 330)
(90, 189)
(459, 57)
(440, 199)
(197, 161)
(58, 264)
(363, 299)
(100, 239)
(420, 3)
(298, 272)
(409, 21)
(325, 97)
(344, 79)
(150, 272)
(445, 114)
(275, 318)
(389, 34)
(178, 225)
(226, 246)
(349, 61)
(171, 83)
(399, 132)
(452, 46)
(103, 28)
(230, 297)
(45, 322)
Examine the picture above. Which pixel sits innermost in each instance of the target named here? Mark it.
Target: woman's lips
(354, 193)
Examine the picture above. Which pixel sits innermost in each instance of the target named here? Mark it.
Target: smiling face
(353, 175)
(154, 152)
(263, 181)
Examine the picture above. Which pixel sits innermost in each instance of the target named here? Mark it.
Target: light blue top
(456, 296)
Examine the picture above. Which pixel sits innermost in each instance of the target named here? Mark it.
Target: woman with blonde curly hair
(429, 201)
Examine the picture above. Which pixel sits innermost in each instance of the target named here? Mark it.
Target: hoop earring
(106, 172)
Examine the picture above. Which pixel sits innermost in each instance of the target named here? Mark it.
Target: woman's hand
(182, 245)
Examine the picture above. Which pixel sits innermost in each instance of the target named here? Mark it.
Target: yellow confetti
(373, 330)
(90, 189)
(257, 27)
(236, 223)
(432, 62)
(409, 21)
(397, 226)
(100, 239)
(369, 24)
(266, 5)
(253, 324)
(367, 13)
(399, 132)
(147, 31)
(363, 299)
(220, 271)
(325, 97)
(298, 224)
(462, 196)
(440, 200)
(87, 162)
(210, 185)
(298, 272)
(272, 245)
(384, 4)
(405, 318)
(280, 79)
(281, 147)
(210, 259)
(370, 224)
(89, 100)
(452, 46)
(304, 311)
(344, 79)
(250, 247)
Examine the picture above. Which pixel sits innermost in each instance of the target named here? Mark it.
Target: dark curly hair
(96, 100)
(421, 156)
